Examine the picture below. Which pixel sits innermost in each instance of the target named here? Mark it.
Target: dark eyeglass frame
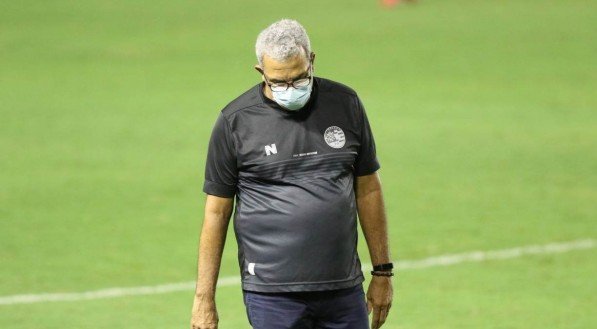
(277, 86)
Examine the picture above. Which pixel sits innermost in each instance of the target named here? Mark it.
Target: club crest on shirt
(334, 137)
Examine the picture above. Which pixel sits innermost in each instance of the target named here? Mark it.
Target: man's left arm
(373, 222)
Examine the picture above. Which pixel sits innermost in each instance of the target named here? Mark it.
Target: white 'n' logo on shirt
(270, 149)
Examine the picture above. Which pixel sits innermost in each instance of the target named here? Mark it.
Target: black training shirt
(293, 173)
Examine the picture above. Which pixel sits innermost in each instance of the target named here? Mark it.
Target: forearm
(211, 246)
(372, 217)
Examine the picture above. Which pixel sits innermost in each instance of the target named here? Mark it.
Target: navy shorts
(331, 309)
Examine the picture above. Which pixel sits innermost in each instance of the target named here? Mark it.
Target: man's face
(284, 71)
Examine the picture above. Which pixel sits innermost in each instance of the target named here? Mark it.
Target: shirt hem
(303, 286)
(368, 170)
(217, 189)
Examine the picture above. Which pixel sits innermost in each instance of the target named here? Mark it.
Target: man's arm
(373, 222)
(211, 244)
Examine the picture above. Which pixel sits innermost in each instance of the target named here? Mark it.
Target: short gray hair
(282, 40)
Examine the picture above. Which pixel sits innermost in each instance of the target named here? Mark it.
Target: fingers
(375, 319)
(202, 325)
(380, 314)
(383, 314)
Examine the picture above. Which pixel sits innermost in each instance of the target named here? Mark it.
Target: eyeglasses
(297, 83)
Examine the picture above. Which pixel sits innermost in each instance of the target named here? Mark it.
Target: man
(297, 152)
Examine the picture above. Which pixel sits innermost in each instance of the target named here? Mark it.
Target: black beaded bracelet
(380, 273)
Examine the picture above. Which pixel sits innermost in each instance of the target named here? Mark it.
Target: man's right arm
(211, 244)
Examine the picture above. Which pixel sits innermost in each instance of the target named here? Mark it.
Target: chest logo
(334, 137)
(270, 149)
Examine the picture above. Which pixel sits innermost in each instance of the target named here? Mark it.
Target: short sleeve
(220, 169)
(366, 162)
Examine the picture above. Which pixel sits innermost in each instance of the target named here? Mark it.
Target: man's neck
(267, 92)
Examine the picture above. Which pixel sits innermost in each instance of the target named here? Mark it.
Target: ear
(313, 60)
(258, 68)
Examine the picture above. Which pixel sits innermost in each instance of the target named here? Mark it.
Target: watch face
(387, 266)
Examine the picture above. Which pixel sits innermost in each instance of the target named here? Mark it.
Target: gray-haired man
(298, 153)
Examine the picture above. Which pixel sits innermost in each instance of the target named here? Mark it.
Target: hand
(379, 299)
(204, 314)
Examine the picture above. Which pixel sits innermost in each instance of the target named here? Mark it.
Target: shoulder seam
(236, 110)
(335, 86)
(354, 94)
(231, 132)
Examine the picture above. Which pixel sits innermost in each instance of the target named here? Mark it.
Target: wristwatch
(383, 267)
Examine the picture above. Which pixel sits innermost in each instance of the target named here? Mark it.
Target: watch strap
(383, 267)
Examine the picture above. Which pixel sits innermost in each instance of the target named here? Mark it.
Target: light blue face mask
(293, 98)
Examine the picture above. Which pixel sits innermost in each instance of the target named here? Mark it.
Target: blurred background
(484, 114)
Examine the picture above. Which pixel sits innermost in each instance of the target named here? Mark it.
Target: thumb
(369, 307)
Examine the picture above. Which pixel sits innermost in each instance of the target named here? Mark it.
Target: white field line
(401, 265)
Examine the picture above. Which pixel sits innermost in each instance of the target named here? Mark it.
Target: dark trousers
(331, 309)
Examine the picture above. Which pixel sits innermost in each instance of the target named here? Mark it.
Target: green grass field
(484, 114)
